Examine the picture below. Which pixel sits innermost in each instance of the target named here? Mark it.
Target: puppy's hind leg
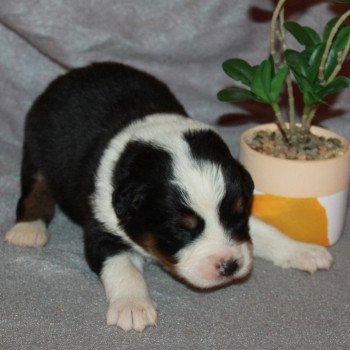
(271, 244)
(35, 208)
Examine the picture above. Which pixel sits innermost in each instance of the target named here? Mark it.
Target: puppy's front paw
(132, 313)
(305, 256)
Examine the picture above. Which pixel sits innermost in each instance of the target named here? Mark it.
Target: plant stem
(282, 37)
(308, 115)
(276, 108)
(274, 30)
(291, 103)
(278, 15)
(331, 37)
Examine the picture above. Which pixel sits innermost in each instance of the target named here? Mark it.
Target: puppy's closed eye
(192, 222)
(189, 221)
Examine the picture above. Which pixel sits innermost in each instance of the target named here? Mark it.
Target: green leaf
(297, 62)
(336, 85)
(343, 1)
(311, 98)
(239, 70)
(329, 26)
(312, 36)
(234, 94)
(338, 45)
(307, 89)
(262, 81)
(305, 36)
(315, 61)
(305, 85)
(307, 52)
(272, 64)
(277, 83)
(267, 71)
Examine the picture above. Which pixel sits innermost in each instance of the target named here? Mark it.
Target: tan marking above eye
(189, 221)
(238, 205)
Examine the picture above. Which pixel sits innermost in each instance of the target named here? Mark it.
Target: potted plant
(301, 172)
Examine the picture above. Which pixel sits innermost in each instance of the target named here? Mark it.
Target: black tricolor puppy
(116, 151)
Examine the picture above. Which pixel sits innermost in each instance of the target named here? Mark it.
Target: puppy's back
(70, 124)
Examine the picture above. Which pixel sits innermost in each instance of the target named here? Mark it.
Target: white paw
(27, 234)
(132, 313)
(305, 256)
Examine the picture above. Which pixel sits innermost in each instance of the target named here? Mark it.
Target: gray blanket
(49, 299)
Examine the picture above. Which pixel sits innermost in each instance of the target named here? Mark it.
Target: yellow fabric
(301, 219)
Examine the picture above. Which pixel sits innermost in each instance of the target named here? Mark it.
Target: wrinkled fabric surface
(49, 299)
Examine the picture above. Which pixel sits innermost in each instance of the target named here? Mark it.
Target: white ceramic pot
(307, 200)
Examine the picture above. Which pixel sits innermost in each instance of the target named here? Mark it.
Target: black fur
(100, 245)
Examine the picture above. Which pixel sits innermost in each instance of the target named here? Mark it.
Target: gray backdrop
(48, 297)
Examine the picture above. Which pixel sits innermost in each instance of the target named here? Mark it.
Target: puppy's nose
(228, 267)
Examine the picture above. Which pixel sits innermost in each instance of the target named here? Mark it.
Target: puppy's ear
(128, 198)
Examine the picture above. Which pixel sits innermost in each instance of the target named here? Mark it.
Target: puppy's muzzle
(214, 265)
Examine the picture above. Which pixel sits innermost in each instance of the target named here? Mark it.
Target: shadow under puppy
(117, 152)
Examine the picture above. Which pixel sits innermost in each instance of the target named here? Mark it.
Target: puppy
(117, 152)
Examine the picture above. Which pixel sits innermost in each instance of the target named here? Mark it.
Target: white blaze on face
(199, 262)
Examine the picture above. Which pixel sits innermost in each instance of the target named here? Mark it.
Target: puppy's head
(188, 207)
